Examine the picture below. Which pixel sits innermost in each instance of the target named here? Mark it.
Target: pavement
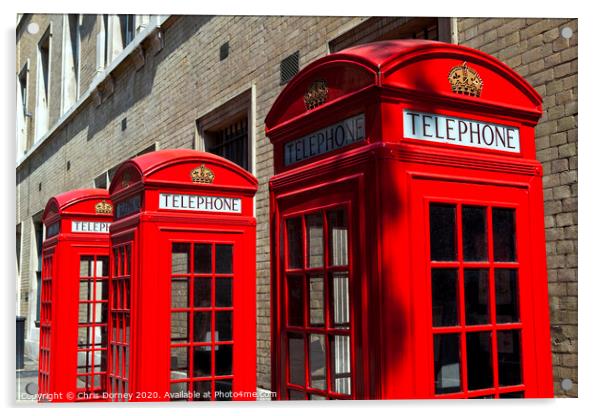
(27, 381)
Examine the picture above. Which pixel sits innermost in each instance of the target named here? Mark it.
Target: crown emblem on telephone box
(103, 207)
(465, 80)
(316, 94)
(202, 174)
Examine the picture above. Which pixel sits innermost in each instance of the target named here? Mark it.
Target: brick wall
(536, 49)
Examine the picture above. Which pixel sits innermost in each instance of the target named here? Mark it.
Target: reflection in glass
(223, 360)
(295, 245)
(85, 266)
(202, 258)
(202, 361)
(447, 363)
(317, 361)
(202, 292)
(316, 300)
(223, 258)
(179, 327)
(179, 363)
(315, 240)
(444, 295)
(295, 300)
(85, 289)
(296, 359)
(180, 263)
(202, 326)
(506, 295)
(339, 293)
(340, 358)
(223, 291)
(179, 293)
(337, 237)
(509, 358)
(504, 244)
(474, 233)
(476, 296)
(478, 360)
(223, 326)
(443, 232)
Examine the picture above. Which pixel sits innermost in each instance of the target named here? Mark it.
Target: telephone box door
(208, 284)
(476, 282)
(317, 288)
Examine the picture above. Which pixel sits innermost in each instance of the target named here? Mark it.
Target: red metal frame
(64, 251)
(150, 231)
(385, 178)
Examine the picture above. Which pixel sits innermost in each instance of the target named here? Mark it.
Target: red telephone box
(74, 296)
(408, 253)
(182, 299)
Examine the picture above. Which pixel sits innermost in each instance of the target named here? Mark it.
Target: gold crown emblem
(202, 174)
(316, 94)
(103, 207)
(465, 80)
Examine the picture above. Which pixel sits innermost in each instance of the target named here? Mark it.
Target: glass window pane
(506, 295)
(223, 360)
(202, 258)
(445, 294)
(340, 359)
(337, 230)
(85, 266)
(223, 291)
(295, 245)
(474, 233)
(101, 292)
(202, 361)
(178, 391)
(504, 244)
(180, 262)
(223, 326)
(101, 311)
(316, 300)
(85, 313)
(447, 363)
(317, 361)
(179, 363)
(339, 299)
(223, 390)
(85, 289)
(478, 354)
(476, 296)
(179, 327)
(443, 232)
(202, 390)
(513, 395)
(316, 397)
(202, 326)
(202, 292)
(103, 268)
(84, 337)
(223, 258)
(509, 358)
(296, 359)
(315, 240)
(179, 293)
(295, 300)
(296, 395)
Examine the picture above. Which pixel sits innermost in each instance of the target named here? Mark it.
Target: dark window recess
(478, 354)
(224, 51)
(509, 358)
(289, 67)
(124, 123)
(231, 142)
(447, 363)
(476, 296)
(443, 232)
(445, 294)
(504, 244)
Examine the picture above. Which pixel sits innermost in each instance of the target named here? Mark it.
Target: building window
(38, 228)
(18, 243)
(22, 92)
(227, 131)
(387, 28)
(128, 28)
(71, 60)
(42, 86)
